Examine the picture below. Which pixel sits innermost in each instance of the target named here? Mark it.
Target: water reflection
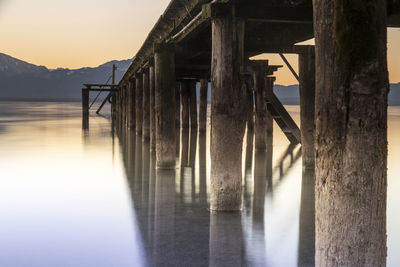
(226, 239)
(307, 220)
(131, 214)
(172, 206)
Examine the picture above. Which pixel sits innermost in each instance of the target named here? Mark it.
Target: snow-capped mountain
(22, 80)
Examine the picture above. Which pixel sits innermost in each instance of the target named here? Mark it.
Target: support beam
(290, 67)
(193, 104)
(307, 106)
(164, 59)
(351, 132)
(227, 111)
(146, 106)
(185, 97)
(139, 103)
(152, 105)
(203, 106)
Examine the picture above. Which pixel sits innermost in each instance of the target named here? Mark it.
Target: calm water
(93, 198)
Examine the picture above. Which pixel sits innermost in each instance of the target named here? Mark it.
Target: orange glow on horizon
(76, 33)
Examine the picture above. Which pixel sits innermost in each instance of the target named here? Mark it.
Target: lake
(73, 197)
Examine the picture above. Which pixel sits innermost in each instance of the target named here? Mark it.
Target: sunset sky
(81, 33)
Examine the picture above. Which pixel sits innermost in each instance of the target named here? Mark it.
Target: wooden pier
(343, 114)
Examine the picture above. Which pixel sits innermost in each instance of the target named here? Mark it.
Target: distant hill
(289, 95)
(22, 80)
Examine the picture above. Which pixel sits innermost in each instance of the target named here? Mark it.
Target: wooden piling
(250, 103)
(164, 61)
(131, 103)
(307, 105)
(185, 96)
(227, 108)
(193, 104)
(178, 105)
(203, 105)
(146, 106)
(351, 133)
(85, 109)
(152, 106)
(261, 115)
(139, 103)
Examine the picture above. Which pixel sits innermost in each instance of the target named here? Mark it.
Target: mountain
(22, 80)
(289, 95)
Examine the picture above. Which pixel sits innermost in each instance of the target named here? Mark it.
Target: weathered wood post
(269, 87)
(185, 148)
(250, 103)
(178, 117)
(152, 88)
(185, 104)
(203, 106)
(193, 104)
(351, 132)
(126, 109)
(85, 108)
(114, 96)
(132, 110)
(123, 104)
(146, 105)
(227, 106)
(139, 103)
(164, 59)
(178, 105)
(307, 105)
(262, 117)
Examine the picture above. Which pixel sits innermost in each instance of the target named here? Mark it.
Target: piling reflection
(203, 168)
(307, 222)
(248, 170)
(173, 211)
(226, 239)
(85, 122)
(163, 248)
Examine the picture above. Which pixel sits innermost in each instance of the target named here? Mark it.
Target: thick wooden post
(164, 59)
(126, 101)
(85, 109)
(250, 103)
(185, 104)
(146, 106)
(152, 88)
(139, 103)
(203, 105)
(262, 114)
(227, 108)
(132, 111)
(178, 105)
(269, 87)
(351, 132)
(193, 104)
(114, 96)
(124, 104)
(307, 105)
